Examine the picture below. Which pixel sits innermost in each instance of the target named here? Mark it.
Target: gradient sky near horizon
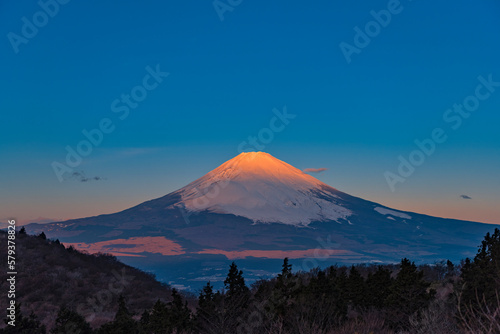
(225, 78)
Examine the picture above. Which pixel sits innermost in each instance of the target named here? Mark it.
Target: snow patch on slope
(385, 212)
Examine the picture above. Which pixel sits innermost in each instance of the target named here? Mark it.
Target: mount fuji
(259, 209)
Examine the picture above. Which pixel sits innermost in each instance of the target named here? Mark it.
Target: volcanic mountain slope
(255, 206)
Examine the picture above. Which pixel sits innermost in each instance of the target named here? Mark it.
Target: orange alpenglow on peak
(260, 187)
(262, 165)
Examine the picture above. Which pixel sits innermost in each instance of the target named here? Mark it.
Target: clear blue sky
(225, 78)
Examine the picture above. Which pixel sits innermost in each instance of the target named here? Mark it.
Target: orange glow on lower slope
(280, 254)
(131, 246)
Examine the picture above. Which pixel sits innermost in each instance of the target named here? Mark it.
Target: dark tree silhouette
(206, 311)
(235, 283)
(69, 321)
(159, 318)
(356, 289)
(123, 323)
(23, 324)
(179, 313)
(481, 276)
(409, 294)
(378, 287)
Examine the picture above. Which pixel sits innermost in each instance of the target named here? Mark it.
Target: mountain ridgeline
(257, 209)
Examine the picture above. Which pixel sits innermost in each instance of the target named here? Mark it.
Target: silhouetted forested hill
(50, 275)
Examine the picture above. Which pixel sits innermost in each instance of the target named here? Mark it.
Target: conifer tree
(281, 294)
(409, 294)
(450, 271)
(144, 322)
(123, 322)
(286, 271)
(235, 283)
(206, 310)
(378, 287)
(285, 283)
(159, 318)
(356, 288)
(206, 297)
(123, 317)
(23, 324)
(69, 321)
(180, 315)
(212, 315)
(236, 298)
(481, 276)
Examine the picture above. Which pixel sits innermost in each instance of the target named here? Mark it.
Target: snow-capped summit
(262, 188)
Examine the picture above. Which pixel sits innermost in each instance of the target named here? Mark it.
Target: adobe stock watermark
(29, 29)
(454, 118)
(223, 6)
(372, 29)
(121, 107)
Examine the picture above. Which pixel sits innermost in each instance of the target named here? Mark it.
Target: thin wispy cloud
(314, 170)
(465, 197)
(81, 177)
